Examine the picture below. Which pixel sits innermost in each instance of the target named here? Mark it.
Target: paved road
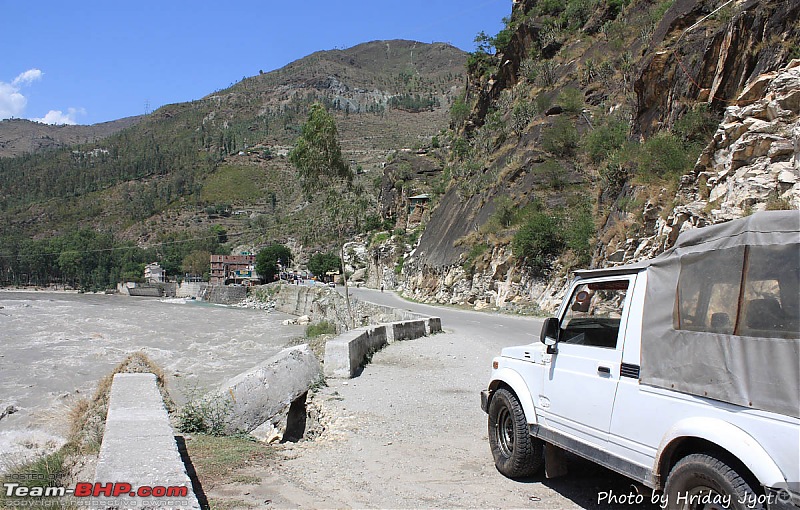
(495, 331)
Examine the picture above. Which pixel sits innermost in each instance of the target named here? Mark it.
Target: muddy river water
(54, 347)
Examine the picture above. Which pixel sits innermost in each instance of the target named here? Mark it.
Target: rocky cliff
(647, 66)
(752, 164)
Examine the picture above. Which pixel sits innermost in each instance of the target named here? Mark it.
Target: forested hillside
(220, 162)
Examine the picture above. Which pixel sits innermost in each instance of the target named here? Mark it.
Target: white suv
(682, 372)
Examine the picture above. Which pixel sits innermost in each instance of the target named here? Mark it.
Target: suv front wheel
(516, 454)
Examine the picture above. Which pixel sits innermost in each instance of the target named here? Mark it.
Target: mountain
(191, 165)
(20, 136)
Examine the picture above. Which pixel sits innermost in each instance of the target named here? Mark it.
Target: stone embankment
(322, 303)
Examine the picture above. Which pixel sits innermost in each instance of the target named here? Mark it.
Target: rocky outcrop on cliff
(752, 164)
(701, 54)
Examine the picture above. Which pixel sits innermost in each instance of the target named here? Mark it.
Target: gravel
(409, 433)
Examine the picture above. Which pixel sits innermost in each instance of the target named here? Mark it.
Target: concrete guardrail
(348, 352)
(139, 450)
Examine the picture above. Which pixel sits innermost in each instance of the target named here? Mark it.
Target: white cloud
(59, 117)
(13, 102)
(27, 77)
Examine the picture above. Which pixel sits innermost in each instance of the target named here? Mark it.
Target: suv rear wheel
(516, 454)
(705, 481)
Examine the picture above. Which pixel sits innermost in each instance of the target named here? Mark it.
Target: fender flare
(726, 436)
(515, 381)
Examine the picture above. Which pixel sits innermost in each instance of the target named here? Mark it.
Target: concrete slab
(139, 449)
(266, 391)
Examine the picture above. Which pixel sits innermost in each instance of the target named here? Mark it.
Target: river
(54, 348)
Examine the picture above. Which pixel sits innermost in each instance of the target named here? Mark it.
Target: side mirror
(549, 335)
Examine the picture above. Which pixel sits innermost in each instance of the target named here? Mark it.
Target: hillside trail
(408, 432)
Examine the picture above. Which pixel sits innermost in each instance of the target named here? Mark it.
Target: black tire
(516, 454)
(705, 481)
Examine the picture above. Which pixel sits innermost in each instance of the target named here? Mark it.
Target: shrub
(474, 253)
(551, 7)
(571, 99)
(561, 138)
(577, 13)
(538, 240)
(776, 203)
(664, 156)
(205, 415)
(459, 112)
(579, 231)
(522, 115)
(696, 126)
(602, 141)
(553, 172)
(319, 329)
(379, 238)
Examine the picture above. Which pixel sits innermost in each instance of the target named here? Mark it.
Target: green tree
(459, 111)
(197, 263)
(317, 154)
(538, 240)
(325, 175)
(321, 263)
(268, 259)
(221, 233)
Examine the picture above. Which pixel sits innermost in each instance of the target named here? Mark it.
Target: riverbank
(57, 345)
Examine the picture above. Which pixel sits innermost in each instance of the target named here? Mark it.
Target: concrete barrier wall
(406, 330)
(191, 289)
(345, 354)
(225, 294)
(139, 447)
(266, 391)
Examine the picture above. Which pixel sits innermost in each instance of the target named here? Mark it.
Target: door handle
(603, 370)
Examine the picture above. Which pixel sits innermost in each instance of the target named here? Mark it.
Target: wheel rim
(505, 432)
(704, 498)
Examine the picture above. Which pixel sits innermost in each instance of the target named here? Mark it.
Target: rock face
(712, 63)
(697, 55)
(752, 164)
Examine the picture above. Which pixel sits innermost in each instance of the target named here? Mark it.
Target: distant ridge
(21, 136)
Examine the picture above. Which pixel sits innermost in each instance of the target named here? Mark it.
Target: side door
(581, 380)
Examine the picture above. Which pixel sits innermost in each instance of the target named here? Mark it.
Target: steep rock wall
(752, 164)
(711, 63)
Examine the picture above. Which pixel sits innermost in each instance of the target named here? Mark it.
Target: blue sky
(93, 61)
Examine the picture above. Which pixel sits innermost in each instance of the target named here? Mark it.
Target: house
(417, 206)
(227, 269)
(154, 273)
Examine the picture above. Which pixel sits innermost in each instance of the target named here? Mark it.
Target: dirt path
(409, 433)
